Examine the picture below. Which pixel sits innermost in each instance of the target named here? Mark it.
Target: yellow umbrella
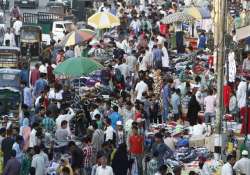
(198, 12)
(102, 20)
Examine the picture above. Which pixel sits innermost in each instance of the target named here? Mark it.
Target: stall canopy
(242, 33)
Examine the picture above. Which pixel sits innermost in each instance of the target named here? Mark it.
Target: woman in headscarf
(25, 131)
(193, 109)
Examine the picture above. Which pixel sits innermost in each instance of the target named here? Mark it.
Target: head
(103, 161)
(135, 130)
(13, 153)
(64, 124)
(37, 149)
(244, 153)
(115, 108)
(65, 171)
(163, 169)
(158, 137)
(71, 145)
(231, 159)
(19, 139)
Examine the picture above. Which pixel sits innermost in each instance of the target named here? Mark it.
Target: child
(120, 135)
(153, 164)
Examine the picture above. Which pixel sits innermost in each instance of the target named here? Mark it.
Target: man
(40, 85)
(76, 157)
(109, 132)
(62, 135)
(242, 166)
(48, 122)
(104, 169)
(124, 68)
(115, 116)
(9, 38)
(33, 135)
(17, 26)
(140, 88)
(176, 104)
(246, 64)
(38, 162)
(97, 138)
(65, 115)
(136, 147)
(13, 166)
(27, 95)
(160, 147)
(227, 168)
(34, 75)
(132, 61)
(166, 98)
(88, 155)
(6, 146)
(17, 146)
(210, 104)
(69, 53)
(157, 55)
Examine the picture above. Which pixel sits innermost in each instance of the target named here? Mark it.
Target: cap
(119, 123)
(244, 153)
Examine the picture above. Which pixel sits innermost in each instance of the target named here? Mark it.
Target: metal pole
(220, 21)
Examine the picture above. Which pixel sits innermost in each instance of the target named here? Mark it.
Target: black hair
(13, 153)
(64, 122)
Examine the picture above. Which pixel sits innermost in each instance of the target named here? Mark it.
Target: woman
(120, 163)
(193, 109)
(25, 131)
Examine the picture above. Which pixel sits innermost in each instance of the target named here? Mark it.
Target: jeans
(209, 118)
(138, 158)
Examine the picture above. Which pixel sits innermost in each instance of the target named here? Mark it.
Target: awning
(242, 33)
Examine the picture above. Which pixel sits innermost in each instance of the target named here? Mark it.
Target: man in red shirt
(136, 147)
(34, 75)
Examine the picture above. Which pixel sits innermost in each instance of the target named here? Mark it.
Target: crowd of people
(59, 134)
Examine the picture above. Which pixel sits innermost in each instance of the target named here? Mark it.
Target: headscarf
(25, 122)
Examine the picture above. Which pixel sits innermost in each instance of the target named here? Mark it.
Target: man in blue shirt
(115, 116)
(40, 85)
(166, 98)
(176, 103)
(157, 57)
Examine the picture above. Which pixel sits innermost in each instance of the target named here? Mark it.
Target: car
(10, 91)
(27, 3)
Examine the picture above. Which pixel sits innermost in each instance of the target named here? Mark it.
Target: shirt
(107, 170)
(210, 102)
(246, 65)
(176, 102)
(109, 133)
(27, 96)
(17, 26)
(48, 124)
(114, 117)
(38, 163)
(88, 155)
(66, 117)
(140, 88)
(19, 153)
(242, 166)
(227, 169)
(136, 143)
(12, 167)
(33, 138)
(62, 136)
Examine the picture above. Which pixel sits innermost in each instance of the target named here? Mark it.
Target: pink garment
(26, 136)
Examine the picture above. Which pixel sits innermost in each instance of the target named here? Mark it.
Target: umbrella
(177, 17)
(77, 67)
(76, 37)
(198, 12)
(102, 20)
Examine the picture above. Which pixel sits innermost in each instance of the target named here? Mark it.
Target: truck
(51, 23)
(27, 3)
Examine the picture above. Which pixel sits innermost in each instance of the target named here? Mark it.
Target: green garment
(25, 165)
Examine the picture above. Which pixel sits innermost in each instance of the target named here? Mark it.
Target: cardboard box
(196, 142)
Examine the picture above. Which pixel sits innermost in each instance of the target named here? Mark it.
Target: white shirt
(38, 162)
(124, 70)
(227, 169)
(66, 117)
(104, 170)
(140, 88)
(210, 103)
(165, 59)
(17, 26)
(9, 36)
(109, 133)
(132, 62)
(241, 94)
(33, 138)
(242, 166)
